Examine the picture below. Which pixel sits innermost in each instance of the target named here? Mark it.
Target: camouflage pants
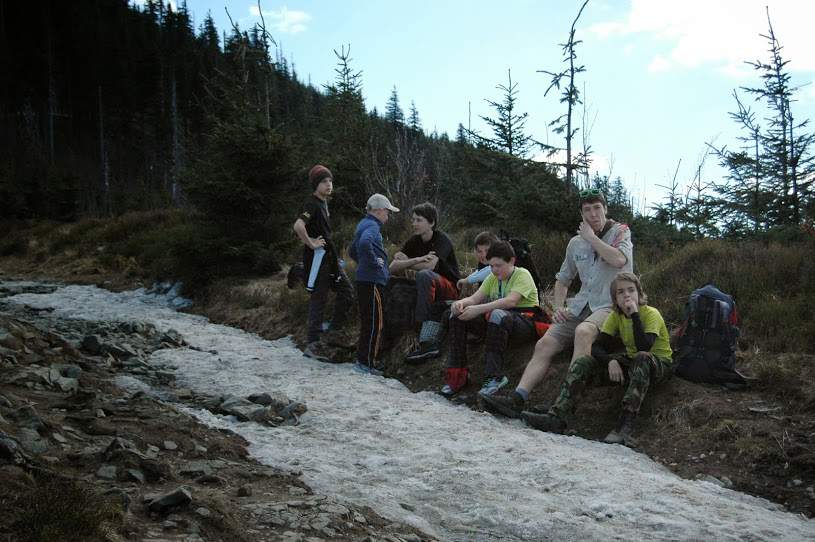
(640, 371)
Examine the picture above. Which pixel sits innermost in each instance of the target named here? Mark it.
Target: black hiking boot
(426, 351)
(622, 433)
(544, 422)
(506, 403)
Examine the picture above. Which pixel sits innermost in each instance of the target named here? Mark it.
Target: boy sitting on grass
(503, 309)
(646, 361)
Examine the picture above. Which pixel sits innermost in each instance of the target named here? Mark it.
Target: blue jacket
(368, 252)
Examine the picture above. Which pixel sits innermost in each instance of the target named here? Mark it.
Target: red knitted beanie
(317, 174)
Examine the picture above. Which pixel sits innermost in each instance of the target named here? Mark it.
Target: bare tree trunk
(103, 159)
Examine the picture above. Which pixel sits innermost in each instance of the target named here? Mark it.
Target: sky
(659, 76)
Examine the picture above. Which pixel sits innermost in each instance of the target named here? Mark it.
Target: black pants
(327, 281)
(502, 328)
(369, 297)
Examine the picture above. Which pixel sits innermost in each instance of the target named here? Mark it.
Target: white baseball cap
(378, 201)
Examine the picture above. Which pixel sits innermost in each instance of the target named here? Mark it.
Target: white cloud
(718, 33)
(659, 64)
(284, 20)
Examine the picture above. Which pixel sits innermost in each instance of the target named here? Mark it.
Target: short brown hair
(428, 211)
(625, 276)
(501, 249)
(485, 238)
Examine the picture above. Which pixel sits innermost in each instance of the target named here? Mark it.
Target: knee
(545, 345)
(499, 317)
(585, 333)
(425, 275)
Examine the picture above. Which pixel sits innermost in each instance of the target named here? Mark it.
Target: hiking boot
(425, 352)
(343, 337)
(447, 391)
(509, 404)
(544, 422)
(364, 368)
(492, 385)
(622, 434)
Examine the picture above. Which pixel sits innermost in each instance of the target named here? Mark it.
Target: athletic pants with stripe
(369, 295)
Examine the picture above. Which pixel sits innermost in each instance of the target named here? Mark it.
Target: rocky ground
(87, 452)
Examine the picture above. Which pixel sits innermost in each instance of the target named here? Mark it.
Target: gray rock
(410, 537)
(31, 441)
(107, 472)
(336, 509)
(169, 445)
(168, 501)
(203, 512)
(210, 480)
(5, 402)
(245, 491)
(92, 344)
(135, 475)
(275, 400)
(242, 409)
(59, 438)
(26, 416)
(67, 384)
(69, 370)
(196, 469)
(117, 444)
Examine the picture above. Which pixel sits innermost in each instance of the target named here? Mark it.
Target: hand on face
(585, 231)
(630, 306)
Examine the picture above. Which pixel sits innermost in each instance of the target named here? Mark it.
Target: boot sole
(416, 360)
(497, 408)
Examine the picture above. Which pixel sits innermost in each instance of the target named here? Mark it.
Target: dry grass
(58, 509)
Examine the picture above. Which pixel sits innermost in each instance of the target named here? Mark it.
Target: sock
(523, 393)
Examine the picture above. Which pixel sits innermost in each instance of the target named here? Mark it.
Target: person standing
(321, 267)
(372, 276)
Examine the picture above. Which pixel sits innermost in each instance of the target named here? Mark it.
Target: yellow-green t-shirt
(619, 325)
(520, 281)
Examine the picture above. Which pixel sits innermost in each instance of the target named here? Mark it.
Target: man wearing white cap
(372, 275)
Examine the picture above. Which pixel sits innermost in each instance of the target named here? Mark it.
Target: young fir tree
(414, 123)
(508, 125)
(785, 155)
(393, 112)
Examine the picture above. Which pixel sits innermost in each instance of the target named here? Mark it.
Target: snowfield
(452, 472)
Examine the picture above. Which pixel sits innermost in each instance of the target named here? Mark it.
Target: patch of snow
(414, 457)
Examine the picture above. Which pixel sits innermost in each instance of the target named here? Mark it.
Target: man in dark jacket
(320, 261)
(372, 275)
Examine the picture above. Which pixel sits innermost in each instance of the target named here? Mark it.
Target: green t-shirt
(618, 325)
(520, 281)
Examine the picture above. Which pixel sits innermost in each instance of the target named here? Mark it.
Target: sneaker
(447, 391)
(622, 434)
(491, 385)
(425, 351)
(367, 369)
(544, 422)
(508, 403)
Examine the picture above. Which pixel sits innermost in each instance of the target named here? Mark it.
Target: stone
(67, 384)
(359, 518)
(410, 537)
(276, 400)
(92, 345)
(170, 445)
(210, 480)
(59, 438)
(336, 509)
(68, 370)
(31, 441)
(242, 409)
(10, 451)
(107, 472)
(26, 416)
(203, 512)
(196, 469)
(135, 475)
(245, 491)
(174, 499)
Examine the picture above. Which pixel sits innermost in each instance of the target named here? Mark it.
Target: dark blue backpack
(706, 342)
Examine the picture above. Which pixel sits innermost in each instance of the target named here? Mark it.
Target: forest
(113, 108)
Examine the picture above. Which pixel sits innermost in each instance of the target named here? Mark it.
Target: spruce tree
(393, 112)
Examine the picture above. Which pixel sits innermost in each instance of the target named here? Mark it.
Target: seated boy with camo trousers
(647, 360)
